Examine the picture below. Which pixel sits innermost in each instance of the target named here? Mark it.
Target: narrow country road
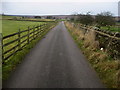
(55, 62)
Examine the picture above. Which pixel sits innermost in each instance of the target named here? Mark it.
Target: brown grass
(89, 37)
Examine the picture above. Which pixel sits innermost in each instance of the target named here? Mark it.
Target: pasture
(13, 26)
(10, 26)
(112, 28)
(5, 17)
(115, 28)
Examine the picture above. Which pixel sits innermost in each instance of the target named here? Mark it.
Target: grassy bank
(105, 66)
(12, 63)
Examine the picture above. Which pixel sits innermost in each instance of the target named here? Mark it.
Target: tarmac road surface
(55, 62)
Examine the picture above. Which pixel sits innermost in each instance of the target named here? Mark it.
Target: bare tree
(105, 19)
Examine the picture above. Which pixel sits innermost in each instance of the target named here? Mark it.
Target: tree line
(101, 19)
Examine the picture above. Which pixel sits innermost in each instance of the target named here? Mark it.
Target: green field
(115, 28)
(5, 17)
(13, 26)
(9, 26)
(10, 17)
(112, 28)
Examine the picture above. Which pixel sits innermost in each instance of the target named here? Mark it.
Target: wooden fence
(0, 48)
(15, 42)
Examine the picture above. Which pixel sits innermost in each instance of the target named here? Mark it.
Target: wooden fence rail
(17, 41)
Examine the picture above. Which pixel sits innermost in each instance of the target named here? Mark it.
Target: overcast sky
(58, 7)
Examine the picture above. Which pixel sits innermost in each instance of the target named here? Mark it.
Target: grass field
(112, 28)
(115, 28)
(16, 59)
(9, 26)
(26, 18)
(9, 17)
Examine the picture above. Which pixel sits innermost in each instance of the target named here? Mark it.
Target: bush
(86, 19)
(105, 19)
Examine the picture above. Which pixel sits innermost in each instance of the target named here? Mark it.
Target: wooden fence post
(43, 27)
(19, 45)
(40, 29)
(37, 31)
(1, 47)
(46, 26)
(33, 32)
(28, 34)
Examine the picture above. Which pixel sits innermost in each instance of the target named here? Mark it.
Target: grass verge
(105, 66)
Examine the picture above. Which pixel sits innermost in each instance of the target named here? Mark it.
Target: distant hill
(46, 16)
